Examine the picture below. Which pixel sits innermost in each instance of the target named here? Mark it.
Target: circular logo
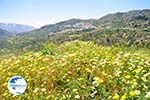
(17, 85)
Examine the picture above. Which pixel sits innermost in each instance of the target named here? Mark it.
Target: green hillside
(95, 59)
(4, 33)
(126, 29)
(79, 70)
(106, 37)
(131, 19)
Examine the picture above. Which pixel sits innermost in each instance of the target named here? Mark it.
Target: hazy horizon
(37, 13)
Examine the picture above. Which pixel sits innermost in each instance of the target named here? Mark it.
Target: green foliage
(49, 49)
(79, 70)
(108, 37)
(110, 61)
(131, 19)
(126, 29)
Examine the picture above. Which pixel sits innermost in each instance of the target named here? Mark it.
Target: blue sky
(41, 12)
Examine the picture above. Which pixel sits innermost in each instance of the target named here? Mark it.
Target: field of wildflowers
(79, 71)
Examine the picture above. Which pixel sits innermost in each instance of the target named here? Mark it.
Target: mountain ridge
(116, 32)
(130, 19)
(134, 19)
(4, 33)
(16, 28)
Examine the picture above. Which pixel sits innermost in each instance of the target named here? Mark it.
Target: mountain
(4, 33)
(70, 25)
(15, 28)
(120, 29)
(131, 19)
(128, 20)
(4, 36)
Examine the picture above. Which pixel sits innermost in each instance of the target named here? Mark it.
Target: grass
(79, 70)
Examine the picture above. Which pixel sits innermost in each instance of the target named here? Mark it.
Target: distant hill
(70, 25)
(131, 19)
(120, 29)
(128, 20)
(4, 33)
(15, 28)
(4, 36)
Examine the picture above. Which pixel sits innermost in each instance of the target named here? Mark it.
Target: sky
(42, 12)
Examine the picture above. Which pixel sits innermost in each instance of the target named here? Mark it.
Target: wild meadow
(79, 71)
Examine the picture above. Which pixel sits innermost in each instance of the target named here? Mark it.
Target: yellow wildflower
(127, 76)
(97, 81)
(88, 70)
(123, 97)
(133, 93)
(4, 94)
(116, 96)
(35, 90)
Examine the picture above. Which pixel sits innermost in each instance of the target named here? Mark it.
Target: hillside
(4, 33)
(112, 29)
(131, 19)
(95, 59)
(15, 28)
(79, 70)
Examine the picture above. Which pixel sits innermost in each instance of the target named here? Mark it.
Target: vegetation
(100, 59)
(126, 29)
(79, 70)
(107, 37)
